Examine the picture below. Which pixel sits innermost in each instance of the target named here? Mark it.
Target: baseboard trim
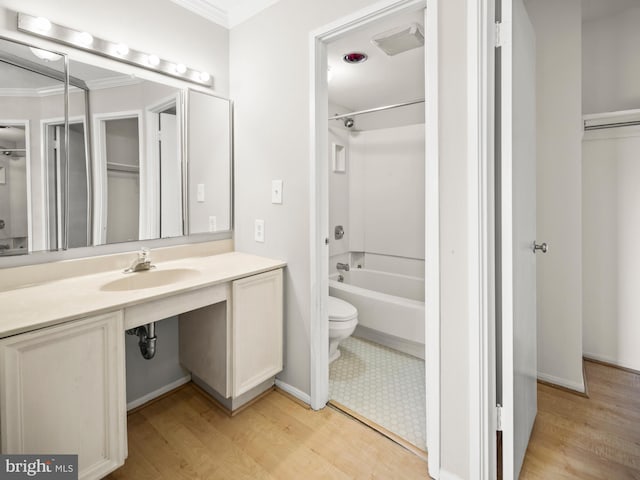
(588, 357)
(157, 393)
(552, 381)
(293, 391)
(445, 475)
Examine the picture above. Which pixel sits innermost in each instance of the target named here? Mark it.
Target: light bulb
(153, 60)
(42, 24)
(122, 49)
(180, 68)
(204, 76)
(84, 38)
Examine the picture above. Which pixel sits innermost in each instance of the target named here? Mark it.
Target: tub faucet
(142, 262)
(343, 266)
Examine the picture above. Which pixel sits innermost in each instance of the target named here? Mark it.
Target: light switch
(213, 224)
(276, 191)
(258, 231)
(200, 192)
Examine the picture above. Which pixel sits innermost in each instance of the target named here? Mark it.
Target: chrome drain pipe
(146, 339)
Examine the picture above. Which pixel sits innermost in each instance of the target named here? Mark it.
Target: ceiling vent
(401, 39)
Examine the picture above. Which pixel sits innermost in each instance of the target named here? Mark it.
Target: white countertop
(33, 307)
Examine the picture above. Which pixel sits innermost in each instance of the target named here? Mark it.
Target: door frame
(481, 132)
(100, 167)
(319, 208)
(150, 169)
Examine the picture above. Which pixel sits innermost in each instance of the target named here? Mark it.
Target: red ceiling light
(355, 57)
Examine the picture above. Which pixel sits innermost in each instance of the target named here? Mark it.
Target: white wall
(559, 189)
(611, 235)
(611, 71)
(387, 191)
(455, 310)
(339, 189)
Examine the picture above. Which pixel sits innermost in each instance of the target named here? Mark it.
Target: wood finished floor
(184, 436)
(587, 438)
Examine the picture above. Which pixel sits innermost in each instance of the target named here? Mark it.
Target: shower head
(349, 122)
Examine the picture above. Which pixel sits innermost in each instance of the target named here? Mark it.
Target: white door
(170, 178)
(517, 268)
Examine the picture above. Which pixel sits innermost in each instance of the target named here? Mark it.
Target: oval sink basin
(149, 279)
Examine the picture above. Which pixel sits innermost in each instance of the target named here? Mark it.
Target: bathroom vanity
(62, 360)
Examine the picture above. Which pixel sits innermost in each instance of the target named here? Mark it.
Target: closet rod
(377, 109)
(611, 125)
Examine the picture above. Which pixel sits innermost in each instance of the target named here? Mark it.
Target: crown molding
(112, 82)
(206, 9)
(246, 9)
(227, 13)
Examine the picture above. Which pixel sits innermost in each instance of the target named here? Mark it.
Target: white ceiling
(381, 80)
(595, 9)
(227, 13)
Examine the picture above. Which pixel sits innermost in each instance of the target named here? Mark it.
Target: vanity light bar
(44, 28)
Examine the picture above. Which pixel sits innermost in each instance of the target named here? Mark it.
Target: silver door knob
(543, 247)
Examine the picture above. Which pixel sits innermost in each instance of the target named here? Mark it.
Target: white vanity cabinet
(235, 346)
(257, 330)
(62, 391)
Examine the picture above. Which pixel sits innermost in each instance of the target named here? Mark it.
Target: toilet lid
(341, 311)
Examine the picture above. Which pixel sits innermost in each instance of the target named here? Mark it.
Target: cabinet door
(62, 391)
(257, 330)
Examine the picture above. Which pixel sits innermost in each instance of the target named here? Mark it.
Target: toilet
(343, 318)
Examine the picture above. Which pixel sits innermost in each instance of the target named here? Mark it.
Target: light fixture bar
(44, 28)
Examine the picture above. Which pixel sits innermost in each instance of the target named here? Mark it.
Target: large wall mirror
(91, 156)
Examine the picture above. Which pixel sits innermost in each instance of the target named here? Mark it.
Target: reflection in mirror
(137, 161)
(32, 114)
(99, 159)
(209, 159)
(13, 188)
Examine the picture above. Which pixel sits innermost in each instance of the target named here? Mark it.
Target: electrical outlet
(213, 224)
(258, 231)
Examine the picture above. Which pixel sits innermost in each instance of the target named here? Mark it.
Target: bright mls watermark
(52, 467)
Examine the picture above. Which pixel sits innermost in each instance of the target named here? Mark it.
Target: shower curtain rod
(610, 125)
(378, 109)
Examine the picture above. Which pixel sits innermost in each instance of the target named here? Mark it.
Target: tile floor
(383, 385)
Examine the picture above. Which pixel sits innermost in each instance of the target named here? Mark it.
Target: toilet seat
(341, 311)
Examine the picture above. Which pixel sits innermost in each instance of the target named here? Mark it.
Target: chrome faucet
(142, 262)
(343, 266)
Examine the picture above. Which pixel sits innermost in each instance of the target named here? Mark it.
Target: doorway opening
(64, 185)
(371, 223)
(376, 224)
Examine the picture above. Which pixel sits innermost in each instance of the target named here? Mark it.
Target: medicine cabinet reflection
(92, 156)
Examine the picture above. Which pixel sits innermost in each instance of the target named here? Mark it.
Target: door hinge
(499, 417)
(502, 34)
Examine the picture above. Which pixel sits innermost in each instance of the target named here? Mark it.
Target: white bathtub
(390, 307)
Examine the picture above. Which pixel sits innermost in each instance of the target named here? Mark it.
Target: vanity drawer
(166, 307)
